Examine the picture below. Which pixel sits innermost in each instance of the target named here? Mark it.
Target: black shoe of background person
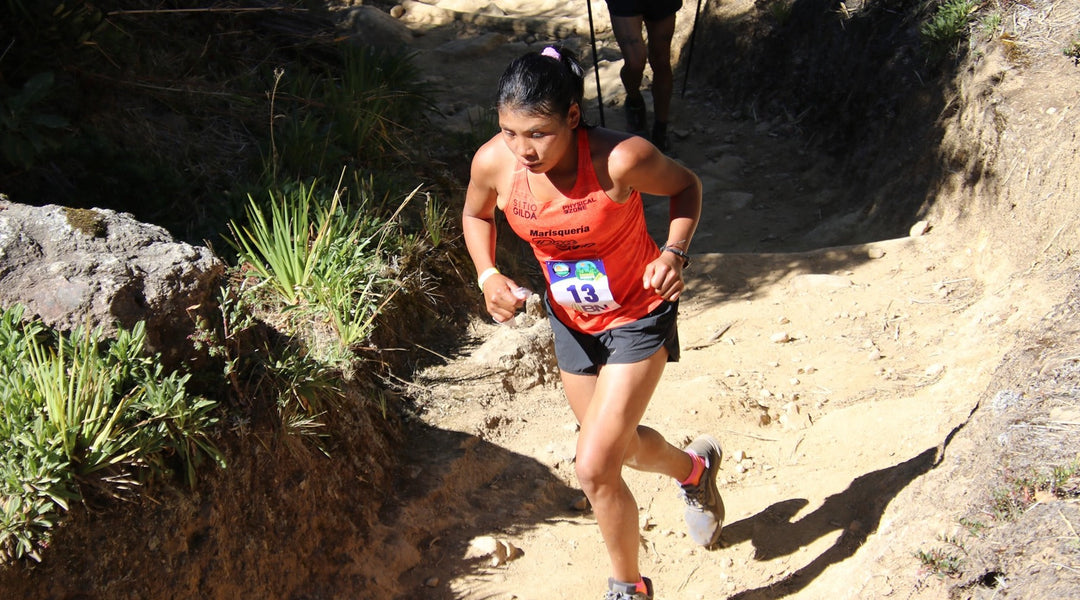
(635, 114)
(659, 136)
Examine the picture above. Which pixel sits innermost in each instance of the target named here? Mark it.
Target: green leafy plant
(436, 217)
(990, 24)
(299, 386)
(83, 415)
(947, 561)
(780, 10)
(941, 562)
(948, 27)
(283, 249)
(174, 424)
(355, 112)
(1020, 492)
(1072, 50)
(84, 402)
(379, 94)
(973, 526)
(325, 264)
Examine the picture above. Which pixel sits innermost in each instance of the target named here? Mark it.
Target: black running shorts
(583, 353)
(651, 10)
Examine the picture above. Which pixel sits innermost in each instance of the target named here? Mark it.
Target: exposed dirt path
(833, 376)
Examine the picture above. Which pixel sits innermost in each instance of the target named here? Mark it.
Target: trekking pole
(596, 63)
(690, 55)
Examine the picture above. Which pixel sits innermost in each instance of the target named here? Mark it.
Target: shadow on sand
(856, 512)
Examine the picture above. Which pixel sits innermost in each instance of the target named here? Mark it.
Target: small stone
(784, 320)
(498, 552)
(738, 456)
(780, 338)
(431, 582)
(794, 418)
(935, 369)
(919, 229)
(512, 551)
(875, 252)
(397, 11)
(581, 504)
(482, 546)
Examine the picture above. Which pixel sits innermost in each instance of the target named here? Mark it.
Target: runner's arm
(478, 227)
(639, 165)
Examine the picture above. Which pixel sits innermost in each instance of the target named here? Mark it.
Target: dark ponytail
(548, 82)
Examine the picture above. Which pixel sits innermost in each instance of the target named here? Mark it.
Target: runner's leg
(609, 407)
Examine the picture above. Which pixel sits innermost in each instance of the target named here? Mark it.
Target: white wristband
(488, 272)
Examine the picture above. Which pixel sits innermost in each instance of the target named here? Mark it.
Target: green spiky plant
(82, 414)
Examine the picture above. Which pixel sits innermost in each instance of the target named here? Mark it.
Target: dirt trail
(833, 376)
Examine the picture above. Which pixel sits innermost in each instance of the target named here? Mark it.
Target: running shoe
(660, 137)
(618, 590)
(704, 507)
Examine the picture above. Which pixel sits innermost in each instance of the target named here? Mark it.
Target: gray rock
(471, 47)
(376, 28)
(100, 268)
(522, 350)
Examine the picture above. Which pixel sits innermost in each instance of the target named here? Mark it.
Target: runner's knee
(596, 468)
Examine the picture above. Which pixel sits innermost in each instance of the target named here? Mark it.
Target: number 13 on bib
(581, 285)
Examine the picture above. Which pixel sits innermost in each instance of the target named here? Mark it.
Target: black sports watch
(677, 252)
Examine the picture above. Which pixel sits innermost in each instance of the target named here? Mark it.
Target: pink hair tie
(551, 52)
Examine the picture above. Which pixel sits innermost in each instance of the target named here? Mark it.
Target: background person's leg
(659, 51)
(628, 34)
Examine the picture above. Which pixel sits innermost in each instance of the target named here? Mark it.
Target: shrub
(322, 254)
(81, 417)
(948, 27)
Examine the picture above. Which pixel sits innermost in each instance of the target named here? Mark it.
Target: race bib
(581, 285)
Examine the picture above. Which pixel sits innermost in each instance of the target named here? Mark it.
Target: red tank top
(593, 250)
